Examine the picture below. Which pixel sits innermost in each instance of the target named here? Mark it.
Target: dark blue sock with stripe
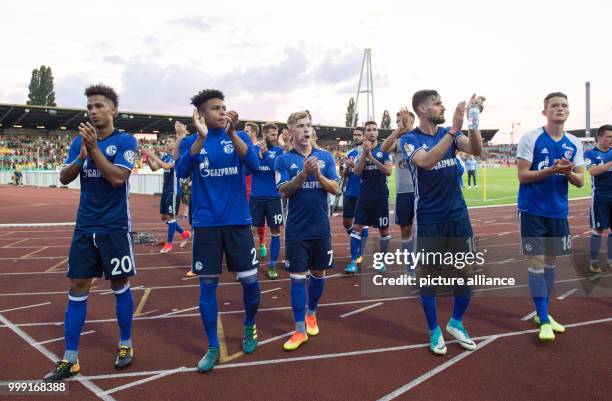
(315, 290)
(298, 303)
(74, 319)
(355, 245)
(462, 295)
(250, 297)
(428, 302)
(595, 246)
(209, 309)
(274, 249)
(179, 229)
(124, 308)
(364, 240)
(539, 294)
(171, 229)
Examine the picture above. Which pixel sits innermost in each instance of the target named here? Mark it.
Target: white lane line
(595, 277)
(143, 381)
(50, 355)
(328, 356)
(269, 340)
(270, 290)
(433, 372)
(362, 309)
(64, 272)
(529, 316)
(36, 225)
(106, 292)
(25, 307)
(61, 338)
(334, 275)
(176, 312)
(567, 294)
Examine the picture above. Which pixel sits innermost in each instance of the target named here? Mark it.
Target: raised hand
(367, 149)
(477, 100)
(181, 130)
(83, 151)
(200, 124)
(90, 138)
(565, 166)
(311, 166)
(263, 146)
(232, 122)
(458, 117)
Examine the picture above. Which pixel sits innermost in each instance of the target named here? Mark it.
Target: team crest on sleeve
(587, 161)
(111, 150)
(408, 148)
(130, 156)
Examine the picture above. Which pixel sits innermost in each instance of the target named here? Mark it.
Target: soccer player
(351, 193)
(404, 200)
(252, 129)
(170, 201)
(442, 220)
(372, 209)
(102, 157)
(547, 159)
(217, 161)
(305, 176)
(265, 200)
(599, 163)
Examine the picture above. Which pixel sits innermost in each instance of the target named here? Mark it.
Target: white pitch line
(326, 356)
(61, 338)
(177, 312)
(50, 355)
(362, 309)
(595, 277)
(25, 307)
(433, 372)
(35, 225)
(269, 340)
(271, 290)
(140, 287)
(567, 294)
(143, 381)
(529, 316)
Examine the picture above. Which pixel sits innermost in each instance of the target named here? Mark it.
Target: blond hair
(298, 115)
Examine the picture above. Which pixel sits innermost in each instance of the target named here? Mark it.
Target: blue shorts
(544, 235)
(372, 212)
(311, 254)
(404, 209)
(93, 254)
(455, 236)
(348, 206)
(601, 213)
(170, 203)
(235, 242)
(266, 211)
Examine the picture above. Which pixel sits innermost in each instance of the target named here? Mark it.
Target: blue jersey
(171, 182)
(438, 197)
(308, 210)
(602, 184)
(373, 181)
(102, 208)
(548, 197)
(218, 186)
(263, 184)
(353, 182)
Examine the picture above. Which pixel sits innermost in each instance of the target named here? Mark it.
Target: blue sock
(124, 307)
(250, 297)
(384, 243)
(355, 245)
(274, 249)
(364, 240)
(208, 308)
(539, 293)
(595, 246)
(76, 310)
(407, 245)
(171, 229)
(462, 300)
(549, 277)
(298, 303)
(609, 244)
(428, 301)
(179, 229)
(315, 290)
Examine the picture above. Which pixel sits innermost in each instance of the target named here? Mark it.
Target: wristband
(451, 134)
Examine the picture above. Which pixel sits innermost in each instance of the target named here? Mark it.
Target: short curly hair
(103, 90)
(206, 95)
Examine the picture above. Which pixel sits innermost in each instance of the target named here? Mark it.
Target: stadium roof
(45, 119)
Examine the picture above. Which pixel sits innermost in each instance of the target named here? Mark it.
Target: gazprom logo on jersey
(543, 164)
(111, 150)
(408, 148)
(130, 156)
(228, 147)
(445, 163)
(205, 171)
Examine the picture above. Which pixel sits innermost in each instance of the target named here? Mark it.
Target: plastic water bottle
(473, 117)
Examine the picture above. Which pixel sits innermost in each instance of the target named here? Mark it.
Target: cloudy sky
(272, 58)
